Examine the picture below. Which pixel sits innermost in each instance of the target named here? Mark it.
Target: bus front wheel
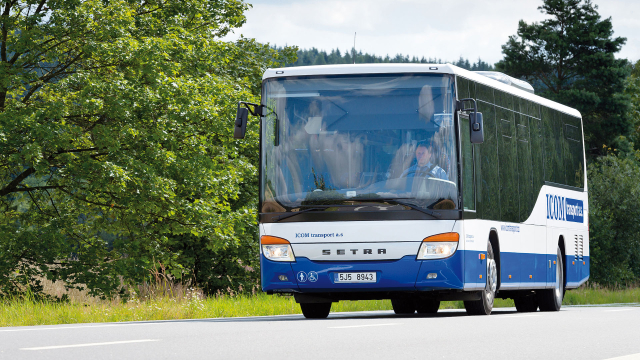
(403, 306)
(485, 304)
(315, 310)
(428, 306)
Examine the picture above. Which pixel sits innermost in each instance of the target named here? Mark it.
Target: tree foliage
(115, 138)
(614, 210)
(570, 59)
(614, 200)
(633, 92)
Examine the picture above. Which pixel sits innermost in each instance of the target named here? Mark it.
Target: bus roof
(394, 68)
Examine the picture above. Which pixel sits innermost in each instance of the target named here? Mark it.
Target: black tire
(551, 299)
(485, 304)
(528, 303)
(403, 306)
(427, 306)
(315, 310)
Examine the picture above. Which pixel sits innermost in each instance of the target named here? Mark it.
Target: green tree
(115, 137)
(633, 92)
(570, 59)
(614, 210)
(314, 56)
(320, 59)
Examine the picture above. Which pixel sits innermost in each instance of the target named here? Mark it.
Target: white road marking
(89, 344)
(619, 310)
(627, 357)
(35, 328)
(358, 326)
(157, 322)
(601, 305)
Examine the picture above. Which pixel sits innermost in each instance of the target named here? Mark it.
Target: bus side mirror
(240, 127)
(477, 128)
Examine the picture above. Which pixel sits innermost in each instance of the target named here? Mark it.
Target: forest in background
(314, 56)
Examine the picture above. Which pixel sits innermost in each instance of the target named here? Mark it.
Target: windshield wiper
(435, 214)
(312, 207)
(430, 212)
(281, 217)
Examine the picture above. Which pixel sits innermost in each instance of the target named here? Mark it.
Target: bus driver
(424, 166)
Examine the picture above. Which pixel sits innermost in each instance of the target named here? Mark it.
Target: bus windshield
(386, 140)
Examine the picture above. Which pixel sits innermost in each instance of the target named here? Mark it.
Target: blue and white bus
(418, 183)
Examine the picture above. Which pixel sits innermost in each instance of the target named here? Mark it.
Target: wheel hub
(492, 279)
(558, 282)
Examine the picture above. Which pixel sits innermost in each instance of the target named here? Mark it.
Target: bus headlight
(438, 246)
(276, 249)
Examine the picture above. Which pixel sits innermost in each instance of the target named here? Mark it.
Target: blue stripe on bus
(397, 275)
(577, 270)
(525, 268)
(392, 275)
(514, 267)
(409, 274)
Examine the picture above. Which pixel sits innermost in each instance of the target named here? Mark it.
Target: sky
(437, 29)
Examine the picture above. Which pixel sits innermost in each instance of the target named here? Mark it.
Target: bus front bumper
(405, 274)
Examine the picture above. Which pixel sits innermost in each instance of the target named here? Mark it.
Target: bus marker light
(573, 263)
(272, 240)
(482, 256)
(432, 276)
(283, 278)
(450, 236)
(509, 276)
(554, 262)
(584, 263)
(530, 276)
(480, 276)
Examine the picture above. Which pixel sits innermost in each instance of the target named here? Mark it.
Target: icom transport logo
(564, 209)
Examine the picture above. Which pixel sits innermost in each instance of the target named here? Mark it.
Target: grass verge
(24, 312)
(593, 296)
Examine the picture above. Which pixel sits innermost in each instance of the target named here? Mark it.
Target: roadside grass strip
(26, 312)
(597, 296)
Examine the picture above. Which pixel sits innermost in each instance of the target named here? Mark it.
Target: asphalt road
(573, 333)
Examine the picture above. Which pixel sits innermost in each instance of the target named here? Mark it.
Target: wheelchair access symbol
(313, 276)
(302, 276)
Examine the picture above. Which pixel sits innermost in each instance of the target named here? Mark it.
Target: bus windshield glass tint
(355, 140)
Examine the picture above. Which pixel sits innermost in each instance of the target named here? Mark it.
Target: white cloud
(441, 29)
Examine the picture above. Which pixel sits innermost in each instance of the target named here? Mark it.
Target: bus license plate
(355, 277)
